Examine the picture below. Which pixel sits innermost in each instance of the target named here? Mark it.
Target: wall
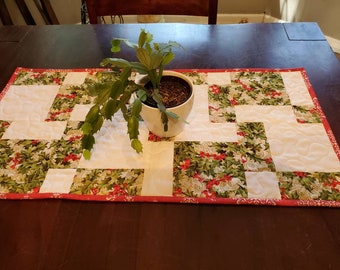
(325, 12)
(271, 7)
(67, 11)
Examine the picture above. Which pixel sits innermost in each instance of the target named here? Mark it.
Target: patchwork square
(75, 78)
(39, 77)
(158, 173)
(208, 170)
(296, 147)
(263, 185)
(58, 181)
(27, 102)
(32, 130)
(114, 183)
(309, 186)
(296, 88)
(113, 150)
(79, 112)
(265, 114)
(218, 78)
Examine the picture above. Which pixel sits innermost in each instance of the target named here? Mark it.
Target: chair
(4, 14)
(46, 10)
(98, 8)
(43, 6)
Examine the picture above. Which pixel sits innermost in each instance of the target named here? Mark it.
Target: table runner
(255, 136)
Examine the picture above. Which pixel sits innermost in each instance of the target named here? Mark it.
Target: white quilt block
(207, 131)
(199, 111)
(32, 130)
(267, 114)
(112, 149)
(301, 147)
(199, 127)
(27, 102)
(75, 78)
(262, 185)
(219, 78)
(58, 181)
(79, 112)
(158, 177)
(296, 89)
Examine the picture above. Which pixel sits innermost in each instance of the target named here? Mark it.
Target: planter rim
(152, 115)
(179, 75)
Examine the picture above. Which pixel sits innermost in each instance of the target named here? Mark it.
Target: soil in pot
(174, 91)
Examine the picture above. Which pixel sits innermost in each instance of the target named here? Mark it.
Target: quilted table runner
(254, 136)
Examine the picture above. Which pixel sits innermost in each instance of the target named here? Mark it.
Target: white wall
(325, 12)
(67, 11)
(271, 7)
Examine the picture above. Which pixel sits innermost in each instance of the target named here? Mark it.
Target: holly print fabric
(254, 137)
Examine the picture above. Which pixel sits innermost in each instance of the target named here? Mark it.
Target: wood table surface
(66, 234)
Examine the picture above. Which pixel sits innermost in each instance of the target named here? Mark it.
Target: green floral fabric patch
(205, 169)
(254, 148)
(118, 182)
(67, 97)
(306, 114)
(39, 78)
(67, 151)
(3, 126)
(309, 186)
(247, 88)
(196, 77)
(24, 164)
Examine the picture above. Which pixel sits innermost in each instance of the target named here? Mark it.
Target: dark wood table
(63, 234)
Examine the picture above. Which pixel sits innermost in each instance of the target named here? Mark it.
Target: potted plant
(148, 98)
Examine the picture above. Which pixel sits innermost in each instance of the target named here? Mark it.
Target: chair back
(43, 6)
(98, 8)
